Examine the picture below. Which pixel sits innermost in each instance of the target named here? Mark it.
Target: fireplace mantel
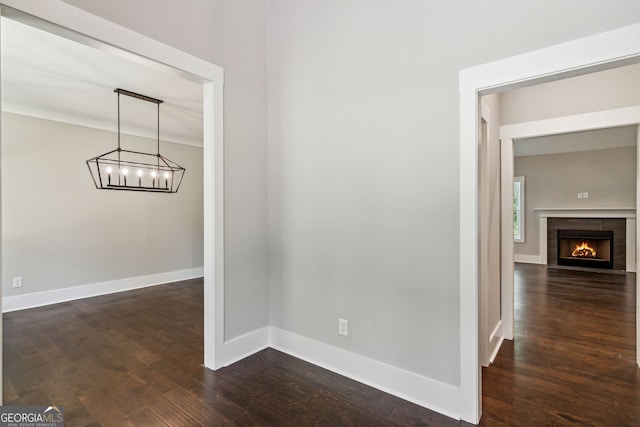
(586, 212)
(628, 213)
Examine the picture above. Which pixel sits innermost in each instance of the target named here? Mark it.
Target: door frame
(582, 56)
(73, 23)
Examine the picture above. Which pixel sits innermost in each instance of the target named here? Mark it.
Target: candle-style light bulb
(153, 175)
(109, 169)
(139, 177)
(166, 180)
(125, 171)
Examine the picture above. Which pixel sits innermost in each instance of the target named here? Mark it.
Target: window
(518, 209)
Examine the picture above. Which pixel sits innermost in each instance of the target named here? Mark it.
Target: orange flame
(584, 251)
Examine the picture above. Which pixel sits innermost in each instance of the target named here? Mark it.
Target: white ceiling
(599, 139)
(50, 77)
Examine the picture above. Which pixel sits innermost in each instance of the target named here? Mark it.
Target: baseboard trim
(527, 259)
(496, 331)
(496, 339)
(54, 296)
(423, 391)
(496, 350)
(245, 345)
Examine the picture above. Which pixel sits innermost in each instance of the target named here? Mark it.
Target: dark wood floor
(135, 359)
(572, 362)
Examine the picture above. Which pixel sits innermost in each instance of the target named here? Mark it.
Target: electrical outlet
(580, 195)
(17, 282)
(343, 327)
(585, 195)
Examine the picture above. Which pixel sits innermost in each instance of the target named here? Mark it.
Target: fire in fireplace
(585, 248)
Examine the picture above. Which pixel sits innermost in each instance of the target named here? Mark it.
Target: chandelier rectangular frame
(121, 169)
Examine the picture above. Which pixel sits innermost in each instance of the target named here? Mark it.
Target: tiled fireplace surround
(621, 220)
(617, 225)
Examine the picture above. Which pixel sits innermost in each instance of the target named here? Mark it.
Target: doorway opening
(63, 20)
(603, 51)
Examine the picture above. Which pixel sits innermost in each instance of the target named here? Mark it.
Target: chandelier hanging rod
(141, 97)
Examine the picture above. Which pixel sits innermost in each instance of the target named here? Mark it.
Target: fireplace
(612, 230)
(585, 248)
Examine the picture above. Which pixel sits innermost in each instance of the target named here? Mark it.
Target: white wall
(231, 34)
(363, 162)
(60, 232)
(553, 181)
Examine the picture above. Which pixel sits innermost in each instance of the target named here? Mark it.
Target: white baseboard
(527, 259)
(495, 342)
(423, 391)
(497, 331)
(496, 349)
(54, 296)
(245, 345)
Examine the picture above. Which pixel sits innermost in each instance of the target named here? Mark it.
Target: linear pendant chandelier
(121, 169)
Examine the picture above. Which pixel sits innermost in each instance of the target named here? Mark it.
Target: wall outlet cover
(343, 327)
(17, 282)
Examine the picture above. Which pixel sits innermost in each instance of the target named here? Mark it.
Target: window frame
(518, 213)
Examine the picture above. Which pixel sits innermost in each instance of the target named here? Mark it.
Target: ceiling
(598, 139)
(48, 76)
(51, 77)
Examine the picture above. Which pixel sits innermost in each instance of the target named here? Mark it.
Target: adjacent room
(62, 239)
(572, 230)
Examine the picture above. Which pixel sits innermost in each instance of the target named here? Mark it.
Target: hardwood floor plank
(9, 393)
(251, 420)
(204, 414)
(336, 410)
(341, 386)
(409, 414)
(104, 411)
(146, 418)
(171, 414)
(33, 394)
(275, 411)
(119, 388)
